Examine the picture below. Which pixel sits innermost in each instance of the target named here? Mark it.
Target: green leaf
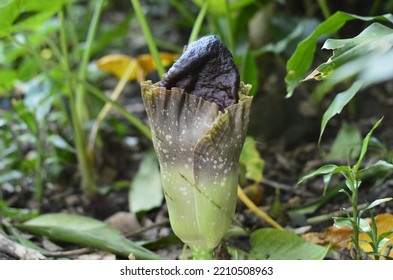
(341, 222)
(364, 226)
(338, 104)
(374, 41)
(326, 169)
(250, 72)
(10, 175)
(145, 190)
(365, 145)
(273, 244)
(25, 115)
(376, 203)
(301, 60)
(59, 142)
(7, 78)
(251, 160)
(17, 15)
(216, 7)
(85, 231)
(38, 99)
(346, 144)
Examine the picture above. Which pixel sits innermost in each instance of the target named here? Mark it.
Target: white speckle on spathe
(183, 131)
(222, 184)
(168, 137)
(186, 166)
(189, 159)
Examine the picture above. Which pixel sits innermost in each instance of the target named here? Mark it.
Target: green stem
(198, 22)
(85, 166)
(356, 218)
(324, 8)
(38, 178)
(144, 129)
(82, 73)
(229, 30)
(149, 37)
(199, 253)
(182, 10)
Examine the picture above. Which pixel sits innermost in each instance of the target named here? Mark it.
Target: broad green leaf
(7, 78)
(346, 145)
(251, 160)
(17, 15)
(85, 231)
(273, 244)
(378, 69)
(301, 60)
(374, 41)
(145, 190)
(338, 104)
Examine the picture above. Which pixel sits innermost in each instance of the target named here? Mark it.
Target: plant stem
(86, 54)
(38, 178)
(107, 107)
(148, 36)
(76, 98)
(81, 110)
(229, 30)
(199, 253)
(134, 120)
(324, 8)
(356, 218)
(182, 10)
(198, 22)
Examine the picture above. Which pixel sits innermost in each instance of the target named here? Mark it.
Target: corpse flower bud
(198, 144)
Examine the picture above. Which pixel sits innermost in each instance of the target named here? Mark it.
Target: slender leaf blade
(85, 231)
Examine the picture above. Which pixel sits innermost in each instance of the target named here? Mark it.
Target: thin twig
(69, 253)
(144, 229)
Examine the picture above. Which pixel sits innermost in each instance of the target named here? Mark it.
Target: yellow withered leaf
(148, 65)
(117, 64)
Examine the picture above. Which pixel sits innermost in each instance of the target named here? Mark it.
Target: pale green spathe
(198, 148)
